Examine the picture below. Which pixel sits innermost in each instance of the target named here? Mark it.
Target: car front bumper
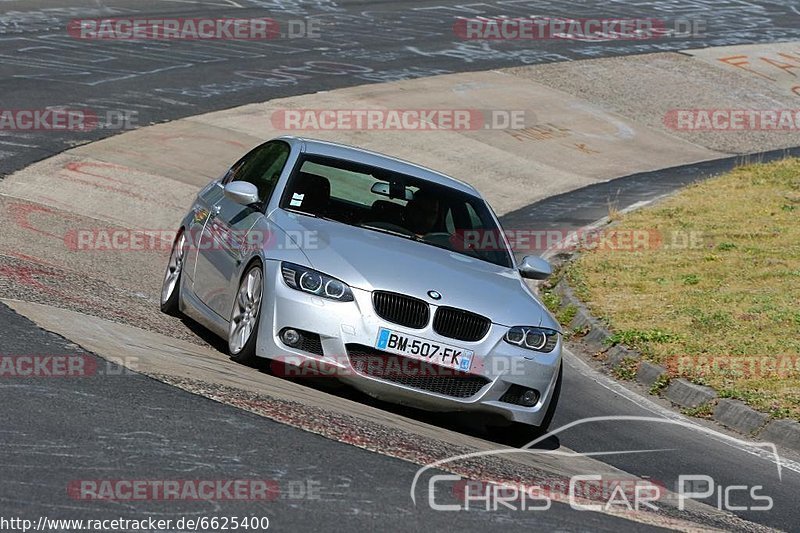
(496, 365)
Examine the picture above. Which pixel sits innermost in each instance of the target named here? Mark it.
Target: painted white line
(556, 248)
(753, 448)
(9, 143)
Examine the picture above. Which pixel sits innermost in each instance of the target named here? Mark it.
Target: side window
(262, 167)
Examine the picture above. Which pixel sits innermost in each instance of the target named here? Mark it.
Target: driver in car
(422, 213)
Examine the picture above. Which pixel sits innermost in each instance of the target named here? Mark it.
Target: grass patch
(718, 285)
(551, 300)
(626, 369)
(563, 314)
(566, 315)
(660, 384)
(639, 339)
(703, 411)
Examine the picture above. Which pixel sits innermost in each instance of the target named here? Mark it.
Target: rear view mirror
(384, 189)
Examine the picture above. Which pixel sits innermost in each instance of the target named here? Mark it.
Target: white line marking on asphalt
(19, 144)
(597, 223)
(752, 448)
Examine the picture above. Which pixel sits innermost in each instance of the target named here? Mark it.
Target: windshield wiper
(300, 212)
(308, 214)
(391, 232)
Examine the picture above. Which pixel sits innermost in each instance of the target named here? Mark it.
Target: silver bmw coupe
(391, 277)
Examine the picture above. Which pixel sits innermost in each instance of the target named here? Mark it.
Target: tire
(551, 409)
(519, 434)
(246, 316)
(171, 286)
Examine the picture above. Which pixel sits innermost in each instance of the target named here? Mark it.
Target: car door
(207, 198)
(226, 239)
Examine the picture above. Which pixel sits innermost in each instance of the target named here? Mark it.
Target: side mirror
(534, 267)
(242, 192)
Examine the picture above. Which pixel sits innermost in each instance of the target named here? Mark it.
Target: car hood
(371, 260)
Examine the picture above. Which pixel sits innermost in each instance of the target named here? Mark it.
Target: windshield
(380, 200)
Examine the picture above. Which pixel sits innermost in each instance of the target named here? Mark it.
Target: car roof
(375, 159)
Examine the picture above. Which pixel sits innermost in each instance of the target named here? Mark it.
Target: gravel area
(33, 282)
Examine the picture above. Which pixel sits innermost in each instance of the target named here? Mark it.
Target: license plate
(424, 350)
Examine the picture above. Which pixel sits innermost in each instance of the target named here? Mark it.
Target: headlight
(537, 339)
(307, 280)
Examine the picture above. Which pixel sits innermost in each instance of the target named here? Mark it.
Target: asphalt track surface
(128, 426)
(56, 431)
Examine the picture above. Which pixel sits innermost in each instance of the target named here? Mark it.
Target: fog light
(519, 395)
(290, 337)
(530, 397)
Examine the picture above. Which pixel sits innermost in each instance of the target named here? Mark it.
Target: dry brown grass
(719, 300)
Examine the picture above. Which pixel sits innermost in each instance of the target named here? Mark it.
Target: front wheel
(171, 287)
(245, 316)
